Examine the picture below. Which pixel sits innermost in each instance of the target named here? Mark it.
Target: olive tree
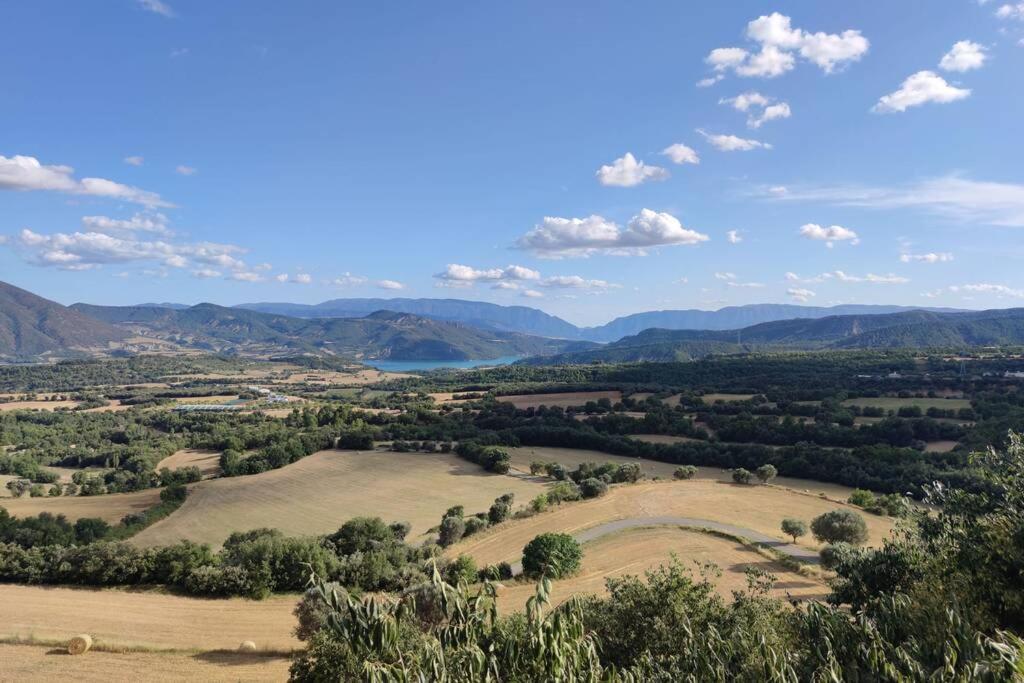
(840, 526)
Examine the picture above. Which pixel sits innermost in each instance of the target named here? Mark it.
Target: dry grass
(572, 458)
(639, 550)
(940, 446)
(111, 507)
(728, 398)
(41, 663)
(208, 462)
(892, 403)
(36, 405)
(66, 473)
(661, 438)
(146, 619)
(564, 400)
(319, 493)
(760, 508)
(354, 378)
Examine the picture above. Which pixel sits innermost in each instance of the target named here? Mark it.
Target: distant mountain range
(31, 326)
(532, 321)
(906, 329)
(380, 335)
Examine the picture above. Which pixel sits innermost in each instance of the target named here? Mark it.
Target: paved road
(796, 552)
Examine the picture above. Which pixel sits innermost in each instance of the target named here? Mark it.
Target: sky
(590, 158)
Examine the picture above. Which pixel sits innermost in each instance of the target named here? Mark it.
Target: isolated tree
(765, 473)
(452, 529)
(685, 472)
(840, 526)
(742, 476)
(552, 555)
(794, 527)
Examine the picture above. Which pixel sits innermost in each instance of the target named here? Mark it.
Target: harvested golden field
(354, 378)
(573, 457)
(565, 400)
(41, 663)
(208, 462)
(147, 619)
(66, 473)
(111, 507)
(759, 508)
(36, 405)
(894, 404)
(319, 493)
(727, 398)
(113, 406)
(940, 446)
(638, 550)
(661, 438)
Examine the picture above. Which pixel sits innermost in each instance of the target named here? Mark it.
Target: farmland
(562, 400)
(111, 507)
(637, 551)
(320, 492)
(894, 404)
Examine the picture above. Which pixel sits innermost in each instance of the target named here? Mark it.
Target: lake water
(407, 365)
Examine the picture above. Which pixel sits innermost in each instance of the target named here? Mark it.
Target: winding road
(593, 533)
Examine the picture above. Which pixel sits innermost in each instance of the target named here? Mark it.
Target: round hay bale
(247, 646)
(80, 644)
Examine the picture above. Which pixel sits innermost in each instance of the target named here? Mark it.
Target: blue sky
(519, 153)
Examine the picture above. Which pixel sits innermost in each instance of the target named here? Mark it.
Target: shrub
(742, 476)
(835, 554)
(552, 555)
(474, 525)
(461, 569)
(840, 526)
(593, 488)
(765, 473)
(861, 498)
(452, 530)
(562, 492)
(685, 472)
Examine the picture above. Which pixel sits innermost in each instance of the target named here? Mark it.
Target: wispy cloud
(974, 201)
(25, 173)
(157, 7)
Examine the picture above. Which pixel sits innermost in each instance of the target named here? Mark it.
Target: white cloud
(303, 279)
(918, 89)
(134, 161)
(725, 276)
(575, 282)
(733, 236)
(532, 294)
(829, 235)
(987, 288)
(25, 173)
(842, 276)
(282, 277)
(107, 241)
(960, 198)
(725, 58)
(184, 170)
(732, 143)
(964, 56)
(760, 108)
(800, 294)
(780, 43)
(746, 285)
(179, 52)
(245, 276)
(889, 279)
(626, 171)
(206, 273)
(151, 222)
(157, 7)
(455, 273)
(389, 284)
(930, 257)
(1011, 11)
(347, 280)
(709, 81)
(681, 154)
(561, 237)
